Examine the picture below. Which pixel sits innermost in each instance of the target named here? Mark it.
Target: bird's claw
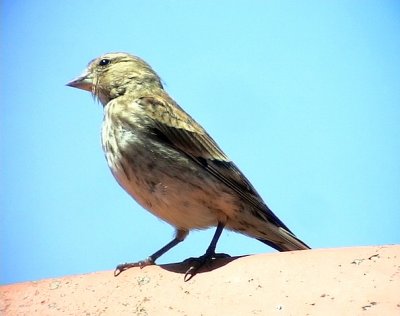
(198, 263)
(127, 265)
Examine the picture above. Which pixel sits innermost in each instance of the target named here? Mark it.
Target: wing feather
(186, 135)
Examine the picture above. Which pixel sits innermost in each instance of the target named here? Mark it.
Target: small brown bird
(169, 164)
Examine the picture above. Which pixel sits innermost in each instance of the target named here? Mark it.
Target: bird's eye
(104, 62)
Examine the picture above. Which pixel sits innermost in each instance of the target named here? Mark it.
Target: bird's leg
(208, 257)
(179, 237)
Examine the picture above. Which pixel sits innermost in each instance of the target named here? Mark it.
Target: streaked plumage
(169, 164)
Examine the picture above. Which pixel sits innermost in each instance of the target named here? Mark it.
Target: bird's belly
(174, 188)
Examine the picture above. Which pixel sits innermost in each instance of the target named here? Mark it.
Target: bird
(170, 165)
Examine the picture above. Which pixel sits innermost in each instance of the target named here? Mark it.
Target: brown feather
(188, 136)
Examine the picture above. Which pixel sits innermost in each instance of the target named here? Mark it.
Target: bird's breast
(164, 180)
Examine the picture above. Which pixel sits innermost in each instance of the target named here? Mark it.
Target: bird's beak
(84, 82)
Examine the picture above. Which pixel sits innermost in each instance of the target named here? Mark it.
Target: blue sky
(303, 96)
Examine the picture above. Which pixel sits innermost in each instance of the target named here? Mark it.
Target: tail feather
(286, 241)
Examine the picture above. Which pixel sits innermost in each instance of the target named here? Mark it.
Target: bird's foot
(127, 265)
(198, 263)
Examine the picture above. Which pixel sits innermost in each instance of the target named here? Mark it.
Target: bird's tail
(286, 241)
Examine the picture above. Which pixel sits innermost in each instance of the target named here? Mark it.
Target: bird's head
(114, 74)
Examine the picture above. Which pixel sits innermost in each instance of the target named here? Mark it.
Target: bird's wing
(180, 129)
(185, 134)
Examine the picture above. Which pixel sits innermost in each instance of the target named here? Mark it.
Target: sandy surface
(346, 281)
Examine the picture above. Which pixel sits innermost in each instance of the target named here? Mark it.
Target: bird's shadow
(184, 266)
